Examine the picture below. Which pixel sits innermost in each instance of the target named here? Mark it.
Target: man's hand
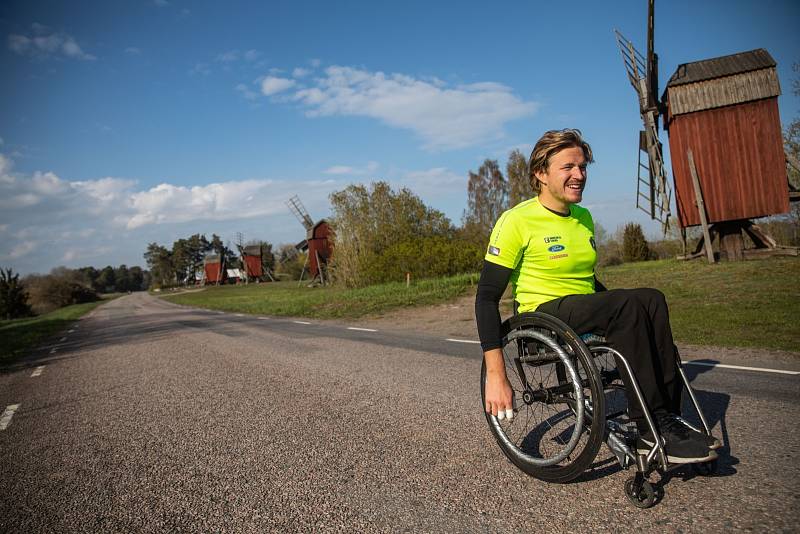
(498, 394)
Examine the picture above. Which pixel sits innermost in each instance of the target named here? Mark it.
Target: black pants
(636, 323)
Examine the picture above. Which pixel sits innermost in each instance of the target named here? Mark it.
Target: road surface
(150, 417)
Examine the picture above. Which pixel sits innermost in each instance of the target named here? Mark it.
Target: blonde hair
(551, 143)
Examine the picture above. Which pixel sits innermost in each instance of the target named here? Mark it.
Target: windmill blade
(657, 195)
(300, 212)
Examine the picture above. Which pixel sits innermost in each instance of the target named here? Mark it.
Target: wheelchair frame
(543, 340)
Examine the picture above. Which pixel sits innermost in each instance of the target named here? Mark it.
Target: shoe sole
(683, 460)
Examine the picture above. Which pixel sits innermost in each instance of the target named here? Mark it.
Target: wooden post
(701, 207)
(408, 279)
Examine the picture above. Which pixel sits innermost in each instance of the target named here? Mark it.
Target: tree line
(41, 293)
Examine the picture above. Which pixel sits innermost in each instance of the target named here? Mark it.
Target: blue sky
(128, 122)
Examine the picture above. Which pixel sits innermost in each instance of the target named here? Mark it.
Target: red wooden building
(320, 247)
(725, 110)
(251, 259)
(213, 269)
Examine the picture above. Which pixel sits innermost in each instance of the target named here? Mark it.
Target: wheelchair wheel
(554, 435)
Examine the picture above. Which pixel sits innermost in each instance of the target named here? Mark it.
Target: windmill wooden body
(317, 242)
(726, 146)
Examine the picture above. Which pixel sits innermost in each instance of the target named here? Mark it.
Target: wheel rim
(545, 444)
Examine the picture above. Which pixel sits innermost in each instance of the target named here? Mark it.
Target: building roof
(719, 67)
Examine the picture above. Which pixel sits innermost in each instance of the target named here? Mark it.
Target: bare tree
(487, 198)
(519, 184)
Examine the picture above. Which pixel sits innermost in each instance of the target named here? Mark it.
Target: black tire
(543, 431)
(644, 498)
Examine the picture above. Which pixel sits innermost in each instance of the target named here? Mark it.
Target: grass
(743, 304)
(17, 336)
(732, 304)
(286, 298)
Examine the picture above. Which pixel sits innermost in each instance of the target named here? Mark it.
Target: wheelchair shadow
(714, 405)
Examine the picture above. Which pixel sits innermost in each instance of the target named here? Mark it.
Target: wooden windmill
(317, 242)
(725, 141)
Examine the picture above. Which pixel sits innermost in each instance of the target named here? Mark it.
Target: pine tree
(13, 297)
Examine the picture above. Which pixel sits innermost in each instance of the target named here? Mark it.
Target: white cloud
(251, 55)
(300, 72)
(133, 51)
(200, 68)
(229, 56)
(46, 220)
(315, 63)
(22, 249)
(444, 117)
(339, 169)
(5, 166)
(272, 85)
(43, 44)
(160, 3)
(246, 92)
(370, 168)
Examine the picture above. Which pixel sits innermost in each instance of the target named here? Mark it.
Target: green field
(286, 298)
(745, 304)
(19, 335)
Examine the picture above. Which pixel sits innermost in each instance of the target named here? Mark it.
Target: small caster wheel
(644, 498)
(706, 469)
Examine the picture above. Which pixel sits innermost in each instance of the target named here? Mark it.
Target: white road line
(63, 339)
(300, 322)
(239, 315)
(5, 419)
(361, 329)
(53, 351)
(264, 318)
(463, 341)
(37, 371)
(743, 368)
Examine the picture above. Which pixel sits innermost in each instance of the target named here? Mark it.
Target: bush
(634, 245)
(53, 291)
(13, 297)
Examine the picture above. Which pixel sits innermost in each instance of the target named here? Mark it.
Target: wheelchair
(568, 399)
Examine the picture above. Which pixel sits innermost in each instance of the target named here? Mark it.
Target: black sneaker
(712, 442)
(681, 444)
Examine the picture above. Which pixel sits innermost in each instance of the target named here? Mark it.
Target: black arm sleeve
(598, 285)
(493, 281)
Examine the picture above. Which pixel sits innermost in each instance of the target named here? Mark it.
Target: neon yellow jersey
(551, 255)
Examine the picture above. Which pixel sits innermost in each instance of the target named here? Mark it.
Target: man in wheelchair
(545, 246)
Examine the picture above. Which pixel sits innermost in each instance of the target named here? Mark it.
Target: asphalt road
(151, 417)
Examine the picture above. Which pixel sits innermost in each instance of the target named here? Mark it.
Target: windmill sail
(653, 194)
(300, 212)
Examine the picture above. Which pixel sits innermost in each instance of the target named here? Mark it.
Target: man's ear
(540, 177)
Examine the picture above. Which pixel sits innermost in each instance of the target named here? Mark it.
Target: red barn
(725, 110)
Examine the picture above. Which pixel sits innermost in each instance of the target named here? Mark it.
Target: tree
(367, 221)
(487, 198)
(122, 279)
(519, 184)
(634, 245)
(107, 280)
(159, 262)
(137, 279)
(13, 296)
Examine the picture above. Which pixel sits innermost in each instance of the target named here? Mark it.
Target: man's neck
(559, 208)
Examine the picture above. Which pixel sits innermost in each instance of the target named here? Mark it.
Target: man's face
(562, 185)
